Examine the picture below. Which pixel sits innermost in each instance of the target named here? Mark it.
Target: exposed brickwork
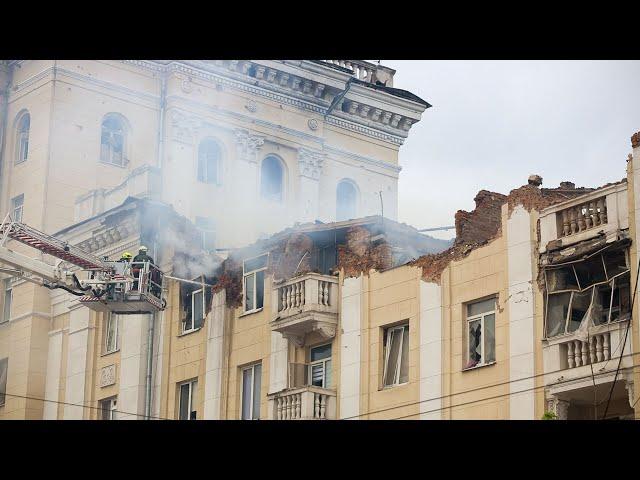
(635, 140)
(358, 255)
(231, 280)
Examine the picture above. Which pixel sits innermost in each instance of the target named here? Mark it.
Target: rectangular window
(480, 333)
(108, 408)
(207, 233)
(111, 333)
(396, 355)
(4, 368)
(253, 282)
(17, 206)
(595, 290)
(187, 400)
(250, 392)
(320, 366)
(7, 297)
(195, 311)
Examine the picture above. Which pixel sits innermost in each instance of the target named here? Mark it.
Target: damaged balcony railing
(584, 216)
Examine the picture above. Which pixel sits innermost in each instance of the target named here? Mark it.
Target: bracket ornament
(248, 145)
(310, 163)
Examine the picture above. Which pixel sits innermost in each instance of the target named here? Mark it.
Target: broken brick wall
(359, 255)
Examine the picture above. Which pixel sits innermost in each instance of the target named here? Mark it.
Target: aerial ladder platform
(111, 286)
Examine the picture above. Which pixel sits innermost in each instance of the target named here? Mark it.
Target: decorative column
(309, 167)
(559, 407)
(215, 357)
(133, 366)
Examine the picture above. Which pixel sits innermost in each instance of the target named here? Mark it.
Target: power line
(626, 332)
(83, 406)
(492, 386)
(501, 395)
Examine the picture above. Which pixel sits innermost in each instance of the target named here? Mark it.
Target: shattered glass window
(579, 306)
(396, 355)
(615, 263)
(481, 327)
(602, 293)
(563, 278)
(557, 311)
(590, 271)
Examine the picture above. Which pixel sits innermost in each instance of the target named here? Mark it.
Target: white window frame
(112, 408)
(7, 298)
(246, 274)
(481, 317)
(253, 393)
(17, 211)
(387, 353)
(192, 384)
(111, 318)
(193, 327)
(204, 231)
(322, 362)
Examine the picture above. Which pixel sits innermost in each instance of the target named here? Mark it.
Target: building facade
(239, 148)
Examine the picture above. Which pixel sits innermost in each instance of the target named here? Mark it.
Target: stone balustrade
(584, 216)
(366, 71)
(597, 349)
(308, 291)
(306, 304)
(306, 403)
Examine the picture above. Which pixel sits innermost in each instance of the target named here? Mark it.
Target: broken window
(600, 293)
(272, 179)
(208, 161)
(396, 355)
(253, 281)
(108, 408)
(346, 196)
(4, 368)
(481, 326)
(187, 400)
(111, 333)
(112, 141)
(22, 141)
(194, 299)
(250, 394)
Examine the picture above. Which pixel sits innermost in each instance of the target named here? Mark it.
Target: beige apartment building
(347, 315)
(238, 148)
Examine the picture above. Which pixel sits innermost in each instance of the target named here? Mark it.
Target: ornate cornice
(310, 163)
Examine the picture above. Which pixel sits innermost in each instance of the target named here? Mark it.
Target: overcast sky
(493, 123)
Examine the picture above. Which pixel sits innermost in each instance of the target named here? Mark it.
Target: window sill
(113, 164)
(106, 354)
(475, 367)
(389, 387)
(188, 332)
(250, 312)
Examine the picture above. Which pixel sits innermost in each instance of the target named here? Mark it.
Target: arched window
(112, 141)
(346, 196)
(22, 139)
(209, 161)
(272, 179)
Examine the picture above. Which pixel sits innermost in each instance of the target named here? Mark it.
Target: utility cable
(496, 385)
(626, 332)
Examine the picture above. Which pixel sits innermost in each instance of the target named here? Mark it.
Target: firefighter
(140, 258)
(142, 255)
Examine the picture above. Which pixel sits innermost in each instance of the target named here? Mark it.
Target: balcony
(304, 403)
(306, 304)
(601, 212)
(569, 356)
